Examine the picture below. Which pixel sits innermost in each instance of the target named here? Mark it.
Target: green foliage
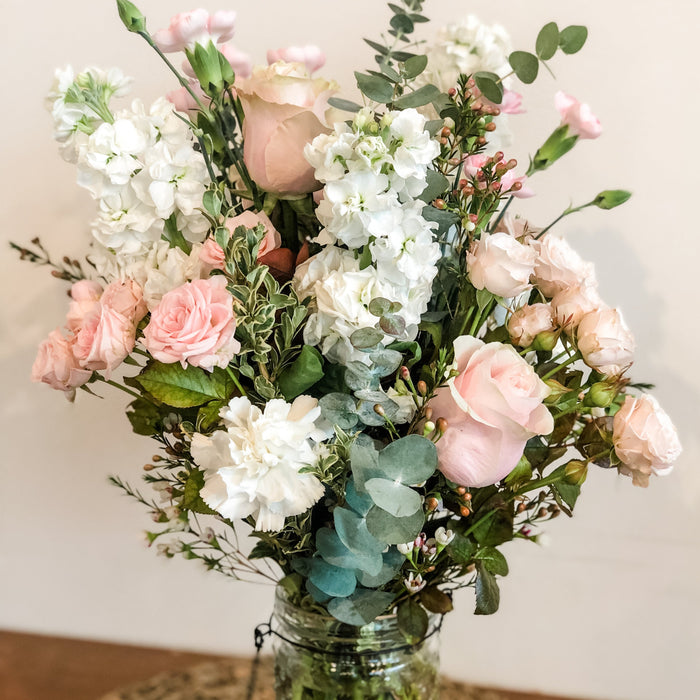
(436, 601)
(361, 607)
(422, 96)
(547, 41)
(489, 85)
(573, 38)
(412, 620)
(191, 500)
(181, 387)
(493, 561)
(392, 530)
(525, 65)
(487, 594)
(378, 89)
(461, 549)
(145, 418)
(345, 105)
(302, 374)
(334, 581)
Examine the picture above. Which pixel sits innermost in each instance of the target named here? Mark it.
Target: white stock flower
(406, 404)
(252, 467)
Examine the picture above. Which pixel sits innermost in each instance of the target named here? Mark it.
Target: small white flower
(406, 548)
(444, 537)
(414, 583)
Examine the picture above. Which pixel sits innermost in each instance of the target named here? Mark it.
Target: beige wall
(611, 609)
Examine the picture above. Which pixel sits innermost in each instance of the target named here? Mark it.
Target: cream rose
(528, 322)
(492, 407)
(645, 439)
(194, 324)
(284, 110)
(499, 263)
(559, 266)
(573, 303)
(605, 342)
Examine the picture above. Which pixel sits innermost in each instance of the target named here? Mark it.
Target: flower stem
(576, 356)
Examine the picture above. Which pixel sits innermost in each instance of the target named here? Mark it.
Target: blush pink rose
(499, 263)
(194, 324)
(605, 342)
(645, 439)
(559, 266)
(85, 298)
(577, 116)
(284, 110)
(57, 366)
(212, 255)
(195, 27)
(573, 303)
(492, 407)
(311, 56)
(528, 322)
(108, 334)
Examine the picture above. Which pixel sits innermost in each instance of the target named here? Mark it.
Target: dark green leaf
(179, 387)
(376, 88)
(402, 23)
(489, 86)
(572, 38)
(332, 580)
(381, 50)
(496, 526)
(208, 415)
(412, 620)
(345, 105)
(387, 528)
(436, 601)
(487, 593)
(547, 41)
(302, 374)
(525, 65)
(144, 417)
(461, 549)
(444, 219)
(191, 500)
(493, 561)
(415, 66)
(361, 607)
(422, 96)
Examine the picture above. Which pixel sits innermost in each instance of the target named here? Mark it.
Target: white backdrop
(611, 608)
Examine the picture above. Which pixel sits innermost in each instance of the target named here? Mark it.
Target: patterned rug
(228, 680)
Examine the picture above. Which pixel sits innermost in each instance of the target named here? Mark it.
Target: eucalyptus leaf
(437, 185)
(333, 551)
(573, 38)
(379, 306)
(359, 609)
(410, 460)
(525, 65)
(316, 593)
(332, 580)
(359, 502)
(365, 338)
(339, 409)
(376, 88)
(547, 41)
(387, 528)
(394, 497)
(415, 66)
(364, 461)
(385, 361)
(392, 561)
(353, 533)
(489, 85)
(402, 23)
(422, 96)
(345, 105)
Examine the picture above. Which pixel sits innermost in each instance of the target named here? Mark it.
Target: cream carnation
(645, 439)
(253, 466)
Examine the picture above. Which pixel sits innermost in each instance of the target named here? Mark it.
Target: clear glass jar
(319, 658)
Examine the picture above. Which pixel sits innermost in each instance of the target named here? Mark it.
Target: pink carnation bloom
(195, 27)
(311, 56)
(194, 324)
(577, 116)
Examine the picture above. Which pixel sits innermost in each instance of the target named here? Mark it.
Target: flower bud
(405, 548)
(131, 16)
(601, 394)
(546, 341)
(441, 425)
(444, 537)
(464, 511)
(576, 472)
(422, 388)
(428, 428)
(432, 503)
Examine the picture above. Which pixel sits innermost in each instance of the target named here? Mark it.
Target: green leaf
(381, 50)
(379, 306)
(191, 500)
(393, 497)
(609, 199)
(402, 23)
(412, 620)
(493, 561)
(302, 374)
(345, 105)
(385, 361)
(364, 461)
(392, 561)
(359, 502)
(387, 528)
(436, 601)
(353, 533)
(339, 409)
(365, 338)
(208, 415)
(144, 417)
(410, 460)
(131, 16)
(547, 41)
(179, 387)
(392, 325)
(316, 593)
(572, 38)
(212, 201)
(361, 607)
(437, 185)
(461, 549)
(376, 88)
(422, 96)
(332, 580)
(415, 66)
(489, 85)
(333, 551)
(444, 219)
(487, 594)
(497, 528)
(525, 65)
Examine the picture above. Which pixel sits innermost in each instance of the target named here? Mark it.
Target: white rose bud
(645, 439)
(605, 342)
(559, 266)
(499, 263)
(528, 322)
(573, 303)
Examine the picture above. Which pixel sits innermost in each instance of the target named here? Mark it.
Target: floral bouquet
(341, 335)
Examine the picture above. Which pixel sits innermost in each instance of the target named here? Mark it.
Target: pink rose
(573, 303)
(645, 439)
(108, 334)
(194, 324)
(311, 56)
(57, 366)
(605, 342)
(577, 116)
(195, 27)
(499, 263)
(212, 255)
(528, 322)
(559, 266)
(493, 407)
(85, 295)
(284, 110)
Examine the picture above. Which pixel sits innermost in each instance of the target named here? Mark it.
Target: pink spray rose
(645, 439)
(194, 324)
(284, 110)
(528, 322)
(559, 266)
(499, 263)
(493, 407)
(605, 342)
(577, 116)
(108, 334)
(311, 56)
(85, 296)
(195, 27)
(211, 253)
(57, 366)
(573, 303)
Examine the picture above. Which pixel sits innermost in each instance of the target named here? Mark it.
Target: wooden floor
(34, 667)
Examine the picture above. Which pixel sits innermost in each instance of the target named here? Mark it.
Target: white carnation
(253, 466)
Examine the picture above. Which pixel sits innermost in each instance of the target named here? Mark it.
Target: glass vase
(319, 658)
